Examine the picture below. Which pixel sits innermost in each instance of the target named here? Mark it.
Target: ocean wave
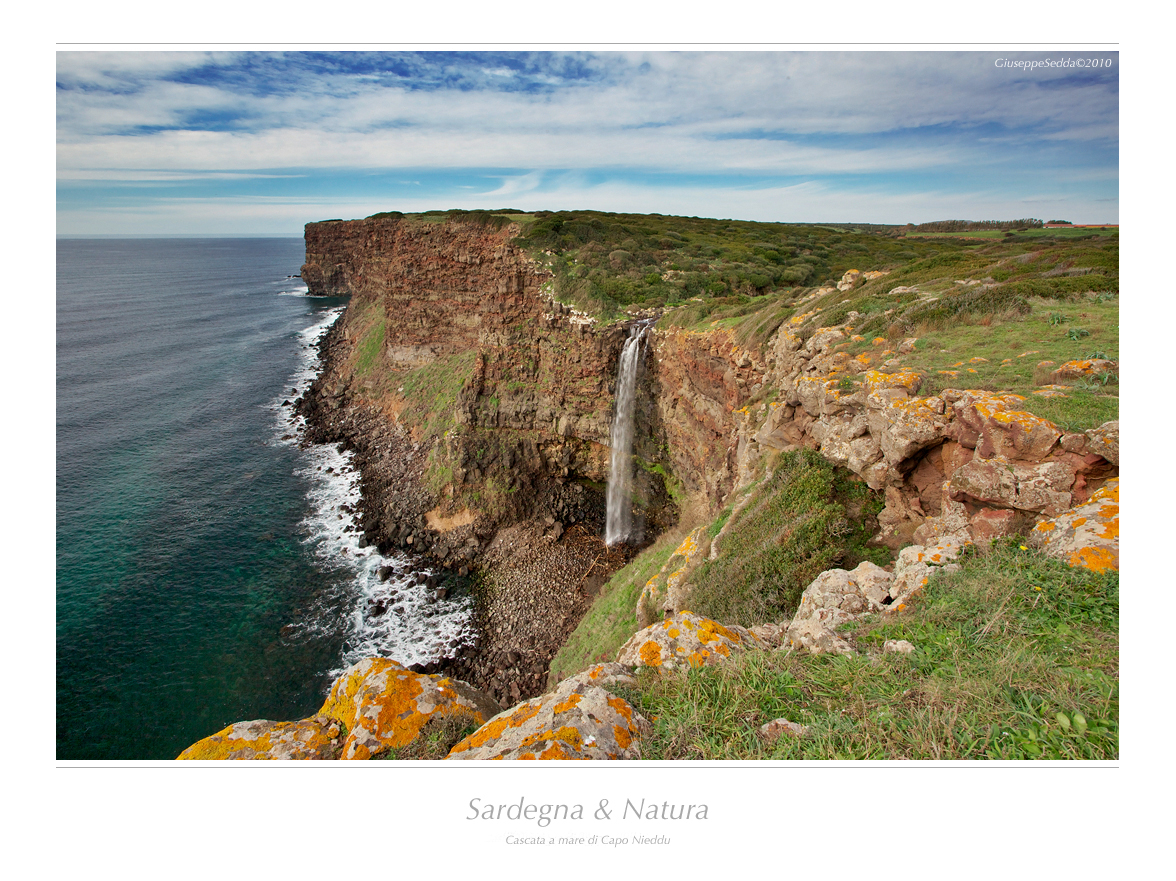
(396, 616)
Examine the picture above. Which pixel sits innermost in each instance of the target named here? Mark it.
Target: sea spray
(393, 611)
(618, 521)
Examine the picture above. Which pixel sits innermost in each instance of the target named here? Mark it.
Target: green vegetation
(612, 619)
(605, 262)
(438, 736)
(370, 327)
(1056, 232)
(1024, 223)
(1016, 656)
(804, 518)
(430, 392)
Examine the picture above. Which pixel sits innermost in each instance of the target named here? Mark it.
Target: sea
(209, 567)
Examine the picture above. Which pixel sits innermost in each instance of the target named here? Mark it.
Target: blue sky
(239, 143)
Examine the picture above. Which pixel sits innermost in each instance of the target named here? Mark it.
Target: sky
(259, 143)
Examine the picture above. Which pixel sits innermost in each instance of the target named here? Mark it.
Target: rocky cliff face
(451, 333)
(480, 409)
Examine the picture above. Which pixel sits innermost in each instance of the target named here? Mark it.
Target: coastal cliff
(479, 408)
(478, 401)
(819, 470)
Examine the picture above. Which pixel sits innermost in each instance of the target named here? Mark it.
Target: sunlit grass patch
(1016, 656)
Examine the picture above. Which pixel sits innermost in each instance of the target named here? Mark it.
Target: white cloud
(663, 110)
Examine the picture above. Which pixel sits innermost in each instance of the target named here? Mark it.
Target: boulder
(663, 592)
(317, 738)
(1042, 488)
(685, 640)
(917, 564)
(1104, 441)
(581, 719)
(1085, 367)
(850, 280)
(837, 597)
(905, 425)
(384, 706)
(1085, 536)
(993, 426)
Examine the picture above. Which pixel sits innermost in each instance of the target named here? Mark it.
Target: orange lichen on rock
(376, 705)
(651, 654)
(685, 639)
(384, 705)
(317, 738)
(578, 720)
(1086, 536)
(662, 591)
(907, 380)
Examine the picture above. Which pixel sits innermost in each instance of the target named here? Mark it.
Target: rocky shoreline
(531, 581)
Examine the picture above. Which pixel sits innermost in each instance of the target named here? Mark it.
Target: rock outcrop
(837, 597)
(685, 640)
(580, 719)
(317, 738)
(384, 706)
(1085, 536)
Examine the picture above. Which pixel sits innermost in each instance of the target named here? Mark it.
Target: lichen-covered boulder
(1085, 367)
(994, 425)
(1085, 536)
(1104, 441)
(384, 706)
(581, 719)
(663, 591)
(685, 640)
(834, 598)
(317, 738)
(917, 565)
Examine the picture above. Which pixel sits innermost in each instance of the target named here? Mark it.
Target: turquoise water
(207, 568)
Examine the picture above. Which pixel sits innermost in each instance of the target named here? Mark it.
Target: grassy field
(1016, 657)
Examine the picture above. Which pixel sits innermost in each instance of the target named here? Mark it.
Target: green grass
(438, 736)
(606, 262)
(431, 392)
(612, 618)
(371, 327)
(808, 517)
(1016, 657)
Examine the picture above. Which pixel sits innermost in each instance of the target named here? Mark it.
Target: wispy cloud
(521, 117)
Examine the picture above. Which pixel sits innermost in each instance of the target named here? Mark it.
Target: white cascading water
(618, 521)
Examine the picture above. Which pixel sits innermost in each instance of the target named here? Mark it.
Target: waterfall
(620, 474)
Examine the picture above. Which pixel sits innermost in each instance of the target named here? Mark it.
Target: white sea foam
(397, 618)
